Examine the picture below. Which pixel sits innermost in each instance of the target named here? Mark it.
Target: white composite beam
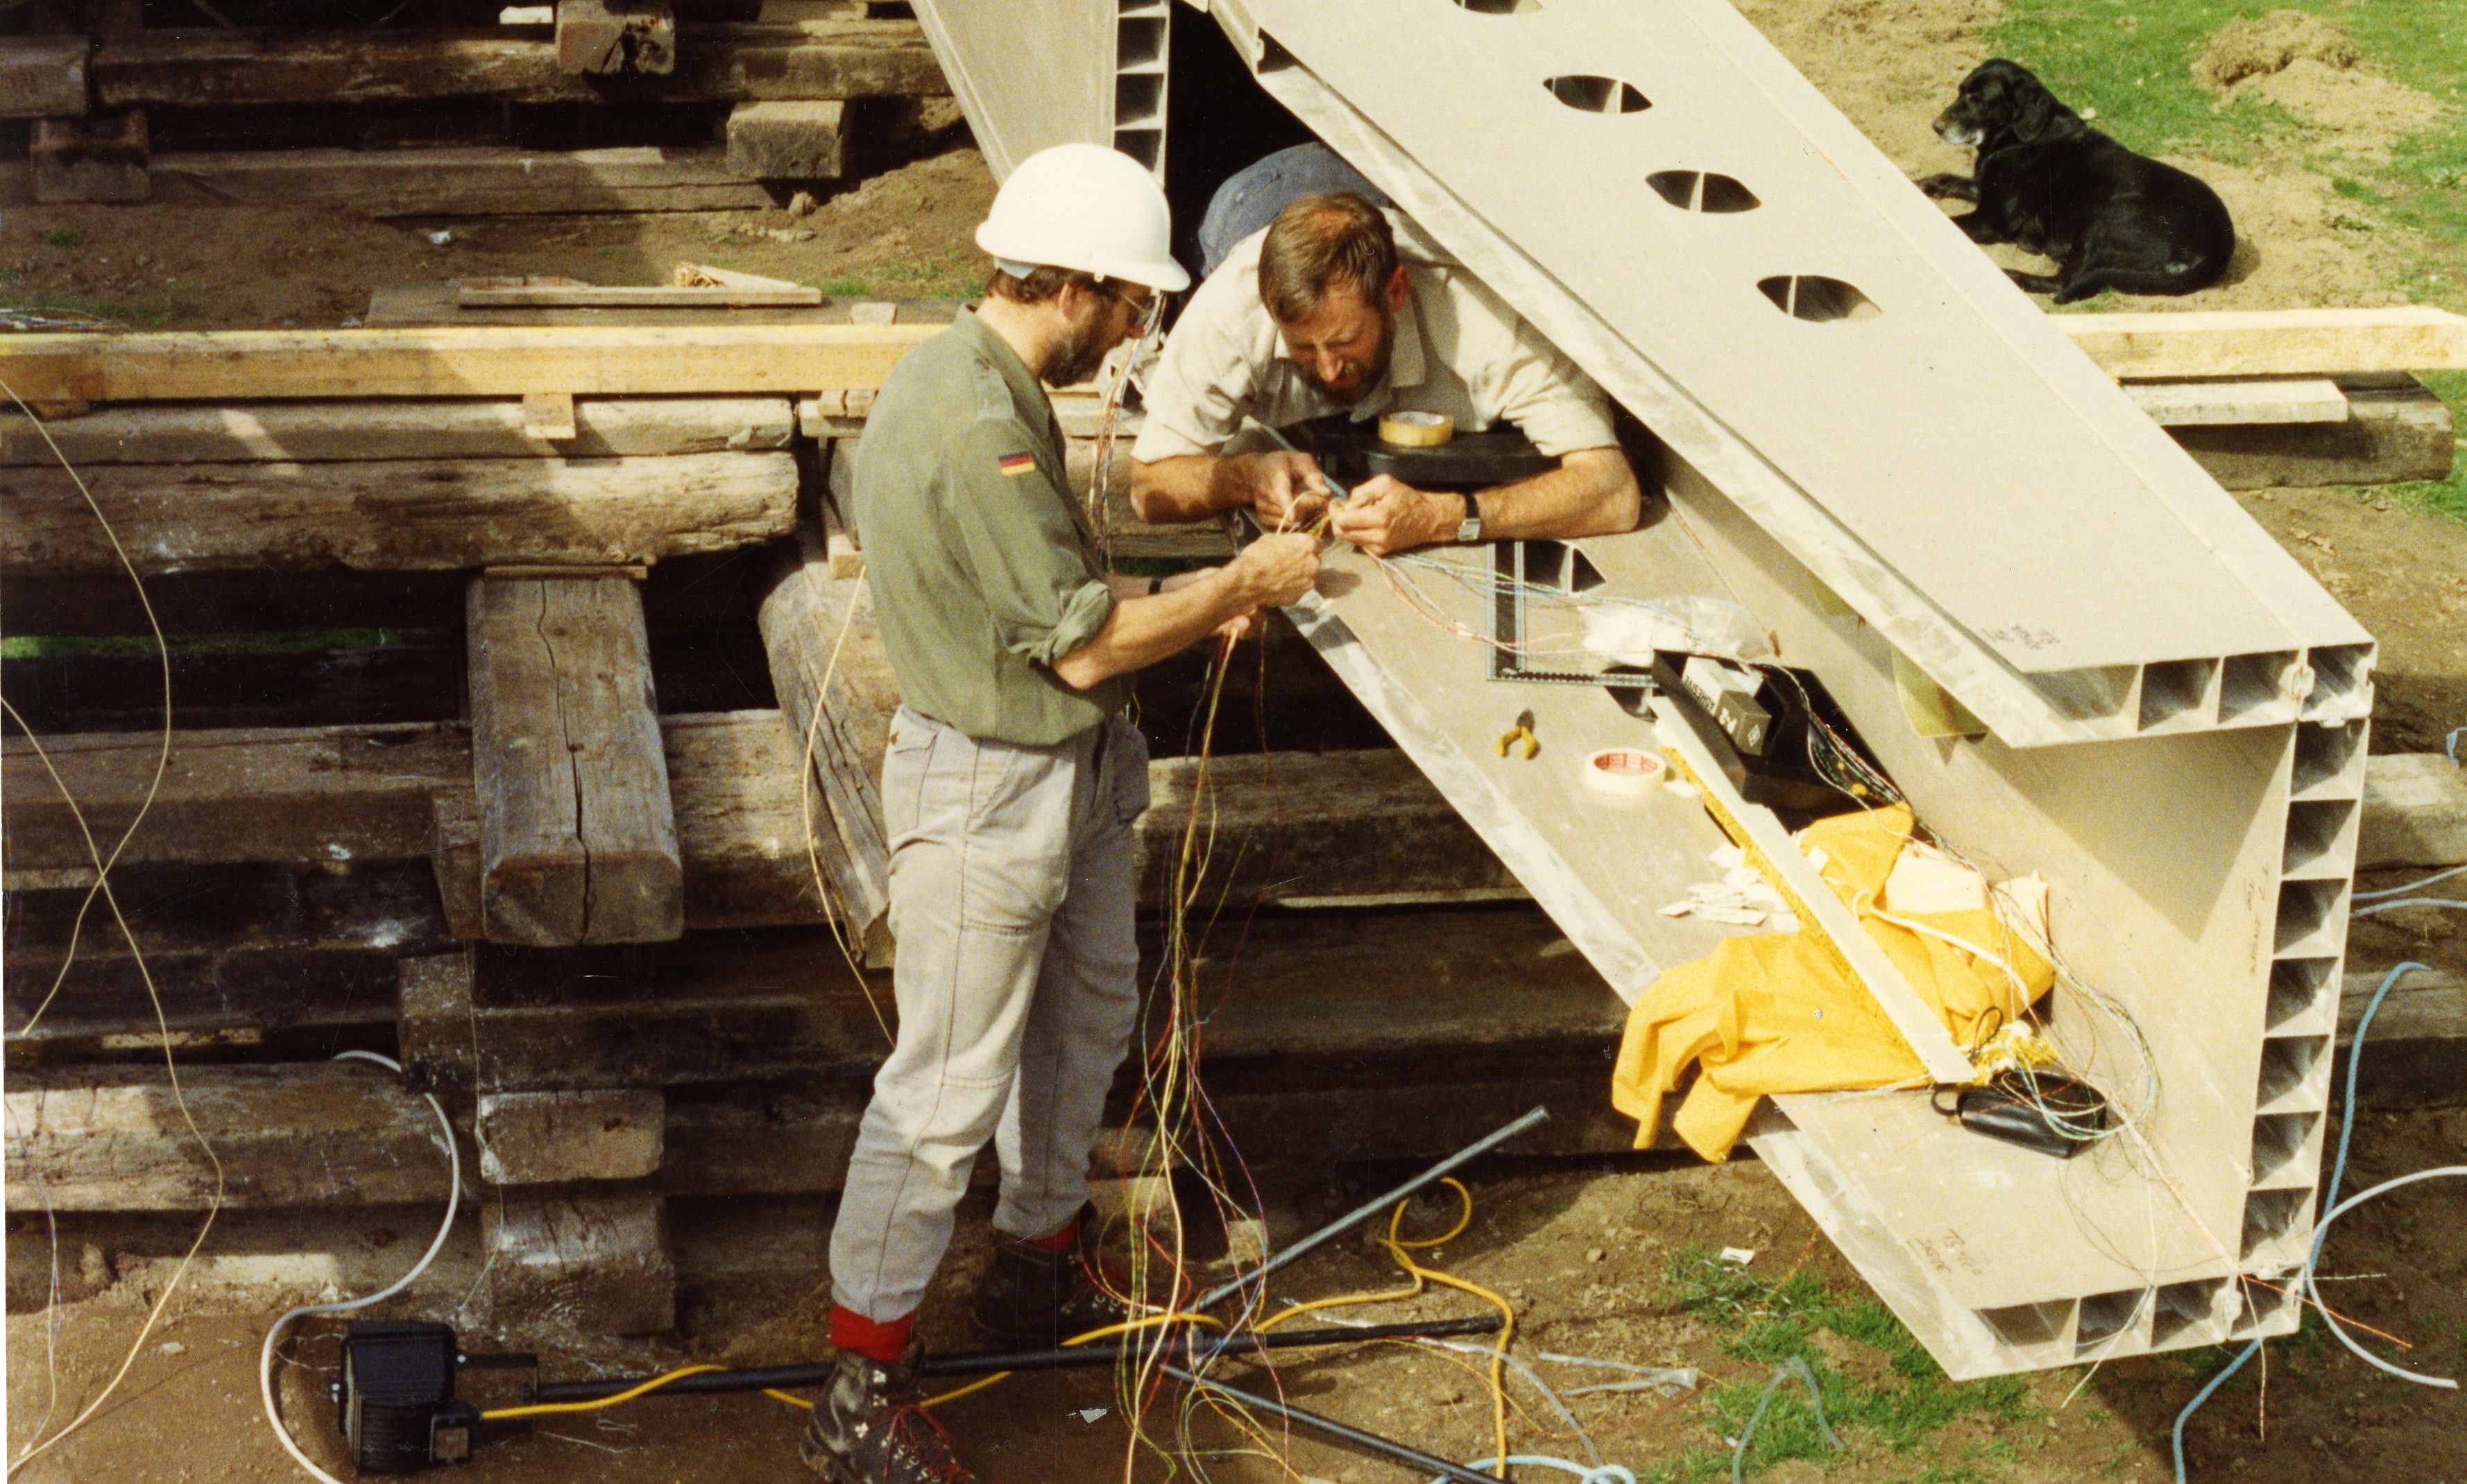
(1031, 76)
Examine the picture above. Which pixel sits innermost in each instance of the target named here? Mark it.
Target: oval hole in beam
(1499, 7)
(1809, 296)
(1691, 190)
(1588, 93)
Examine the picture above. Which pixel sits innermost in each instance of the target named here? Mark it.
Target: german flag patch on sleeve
(1013, 465)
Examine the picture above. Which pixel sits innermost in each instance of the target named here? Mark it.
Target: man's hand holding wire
(1387, 515)
(1286, 489)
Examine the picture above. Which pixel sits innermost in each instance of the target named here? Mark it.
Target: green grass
(845, 288)
(65, 236)
(1775, 1322)
(168, 306)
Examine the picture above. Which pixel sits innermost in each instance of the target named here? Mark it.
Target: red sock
(1061, 1241)
(874, 1339)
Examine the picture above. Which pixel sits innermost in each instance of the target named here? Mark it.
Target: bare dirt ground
(1587, 1253)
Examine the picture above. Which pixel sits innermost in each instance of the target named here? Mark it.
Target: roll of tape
(1625, 771)
(1416, 430)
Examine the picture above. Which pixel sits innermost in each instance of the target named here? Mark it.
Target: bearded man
(1322, 313)
(1009, 792)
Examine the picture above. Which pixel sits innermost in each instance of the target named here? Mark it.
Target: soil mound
(2248, 48)
(2310, 67)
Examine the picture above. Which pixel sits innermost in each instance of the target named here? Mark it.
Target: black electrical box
(1351, 451)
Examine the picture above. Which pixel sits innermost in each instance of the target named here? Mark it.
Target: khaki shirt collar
(1026, 393)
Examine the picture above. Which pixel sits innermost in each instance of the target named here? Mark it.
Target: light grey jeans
(1017, 978)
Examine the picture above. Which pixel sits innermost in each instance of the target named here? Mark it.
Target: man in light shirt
(1341, 308)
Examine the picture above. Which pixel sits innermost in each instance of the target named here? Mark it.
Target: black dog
(2053, 184)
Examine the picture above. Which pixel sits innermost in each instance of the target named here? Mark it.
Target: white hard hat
(1089, 208)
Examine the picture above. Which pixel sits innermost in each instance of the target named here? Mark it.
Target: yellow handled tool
(1522, 732)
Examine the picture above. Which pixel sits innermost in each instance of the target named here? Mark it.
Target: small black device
(1354, 451)
(395, 1399)
(2051, 1112)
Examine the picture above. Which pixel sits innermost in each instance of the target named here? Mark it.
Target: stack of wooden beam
(786, 81)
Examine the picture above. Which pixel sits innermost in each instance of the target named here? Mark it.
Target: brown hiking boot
(1034, 1298)
(869, 1427)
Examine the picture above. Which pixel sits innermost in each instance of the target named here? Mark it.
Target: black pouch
(2023, 1108)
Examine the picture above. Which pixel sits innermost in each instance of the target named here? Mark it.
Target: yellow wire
(544, 1408)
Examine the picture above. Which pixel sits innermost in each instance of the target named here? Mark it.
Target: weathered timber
(592, 360)
(748, 833)
(597, 1264)
(2395, 430)
(2415, 811)
(357, 432)
(462, 180)
(2172, 346)
(98, 158)
(215, 68)
(2240, 399)
(247, 962)
(395, 514)
(2416, 1055)
(577, 840)
(803, 140)
(439, 303)
(608, 36)
(544, 1139)
(292, 794)
(838, 693)
(43, 77)
(112, 1138)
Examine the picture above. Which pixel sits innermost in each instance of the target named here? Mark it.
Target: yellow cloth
(1781, 1012)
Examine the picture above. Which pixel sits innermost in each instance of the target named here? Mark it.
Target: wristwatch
(1470, 529)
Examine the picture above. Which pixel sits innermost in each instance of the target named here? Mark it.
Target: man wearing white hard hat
(1008, 791)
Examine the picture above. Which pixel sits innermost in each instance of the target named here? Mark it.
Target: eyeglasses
(1143, 312)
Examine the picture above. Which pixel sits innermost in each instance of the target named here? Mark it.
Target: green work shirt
(985, 569)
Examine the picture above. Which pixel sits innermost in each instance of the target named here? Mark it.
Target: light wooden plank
(460, 180)
(2178, 404)
(218, 68)
(624, 297)
(397, 515)
(2160, 345)
(219, 366)
(577, 839)
(43, 77)
(354, 432)
(548, 417)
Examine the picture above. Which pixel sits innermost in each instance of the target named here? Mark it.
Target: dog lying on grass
(2051, 185)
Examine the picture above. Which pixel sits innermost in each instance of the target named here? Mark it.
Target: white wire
(274, 1336)
(2449, 1171)
(2408, 901)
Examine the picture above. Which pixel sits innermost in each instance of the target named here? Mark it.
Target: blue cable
(2337, 1171)
(1782, 1373)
